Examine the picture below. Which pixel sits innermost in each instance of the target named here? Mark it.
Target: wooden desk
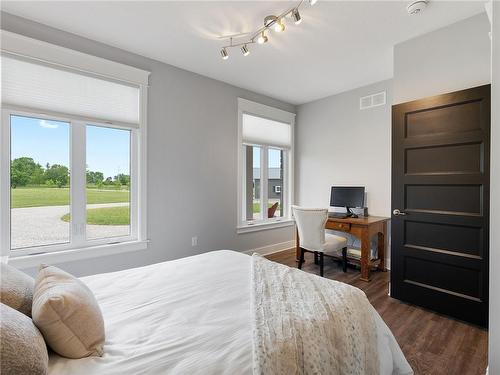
(364, 228)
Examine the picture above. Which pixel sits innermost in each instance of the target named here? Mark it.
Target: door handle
(397, 212)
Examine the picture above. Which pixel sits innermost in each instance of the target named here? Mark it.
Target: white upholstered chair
(312, 237)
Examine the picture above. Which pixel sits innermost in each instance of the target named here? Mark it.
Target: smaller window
(266, 152)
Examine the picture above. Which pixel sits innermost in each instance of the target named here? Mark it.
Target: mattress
(187, 316)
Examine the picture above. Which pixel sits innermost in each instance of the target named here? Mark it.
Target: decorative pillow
(67, 314)
(22, 349)
(16, 289)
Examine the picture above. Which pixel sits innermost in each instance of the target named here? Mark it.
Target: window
(40, 181)
(265, 163)
(73, 160)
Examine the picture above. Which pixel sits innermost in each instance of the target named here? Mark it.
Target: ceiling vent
(371, 101)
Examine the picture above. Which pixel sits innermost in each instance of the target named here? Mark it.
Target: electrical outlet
(194, 241)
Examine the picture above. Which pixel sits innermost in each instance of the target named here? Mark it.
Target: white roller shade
(261, 131)
(45, 88)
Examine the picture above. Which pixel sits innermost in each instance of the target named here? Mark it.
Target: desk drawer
(346, 227)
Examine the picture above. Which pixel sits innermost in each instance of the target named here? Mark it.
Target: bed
(188, 316)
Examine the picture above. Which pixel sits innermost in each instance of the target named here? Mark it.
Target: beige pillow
(16, 289)
(67, 314)
(22, 349)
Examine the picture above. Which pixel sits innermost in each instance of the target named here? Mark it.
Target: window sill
(26, 261)
(265, 225)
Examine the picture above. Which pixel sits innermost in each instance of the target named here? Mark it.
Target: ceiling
(337, 47)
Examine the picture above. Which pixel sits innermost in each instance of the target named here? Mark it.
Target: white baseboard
(270, 249)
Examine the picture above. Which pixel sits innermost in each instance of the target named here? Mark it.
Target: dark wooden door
(440, 184)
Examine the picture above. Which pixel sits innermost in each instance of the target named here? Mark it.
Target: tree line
(25, 171)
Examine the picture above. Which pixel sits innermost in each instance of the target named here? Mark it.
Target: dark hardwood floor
(432, 343)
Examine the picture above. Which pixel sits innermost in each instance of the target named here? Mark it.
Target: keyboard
(337, 215)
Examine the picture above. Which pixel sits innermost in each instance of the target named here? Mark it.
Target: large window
(265, 164)
(62, 196)
(72, 157)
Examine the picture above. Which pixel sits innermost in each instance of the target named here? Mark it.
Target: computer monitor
(347, 196)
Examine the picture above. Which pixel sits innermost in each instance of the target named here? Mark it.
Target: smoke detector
(416, 7)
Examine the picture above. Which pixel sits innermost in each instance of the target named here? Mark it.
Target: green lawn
(106, 216)
(41, 196)
(256, 206)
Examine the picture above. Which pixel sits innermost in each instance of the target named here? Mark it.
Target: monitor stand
(349, 213)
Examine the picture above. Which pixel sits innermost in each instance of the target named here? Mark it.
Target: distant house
(275, 183)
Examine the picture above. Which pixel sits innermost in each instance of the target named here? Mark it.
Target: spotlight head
(244, 50)
(312, 2)
(279, 26)
(296, 16)
(224, 54)
(262, 38)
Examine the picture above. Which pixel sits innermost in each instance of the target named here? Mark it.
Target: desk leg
(382, 247)
(365, 255)
(297, 246)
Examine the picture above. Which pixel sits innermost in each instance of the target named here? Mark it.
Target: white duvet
(188, 316)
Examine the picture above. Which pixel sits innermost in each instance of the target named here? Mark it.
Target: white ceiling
(337, 47)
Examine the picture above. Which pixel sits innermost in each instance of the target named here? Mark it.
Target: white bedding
(188, 316)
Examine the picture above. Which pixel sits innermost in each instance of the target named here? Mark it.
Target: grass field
(256, 207)
(106, 216)
(40, 196)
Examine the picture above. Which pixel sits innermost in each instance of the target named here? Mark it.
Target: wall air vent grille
(371, 101)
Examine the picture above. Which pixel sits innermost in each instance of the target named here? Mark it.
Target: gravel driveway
(36, 226)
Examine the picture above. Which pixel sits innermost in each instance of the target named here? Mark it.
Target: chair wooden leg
(344, 259)
(316, 257)
(321, 263)
(301, 260)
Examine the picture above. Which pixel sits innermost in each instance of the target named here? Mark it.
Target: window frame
(77, 149)
(275, 114)
(46, 53)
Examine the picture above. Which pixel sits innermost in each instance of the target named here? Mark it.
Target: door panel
(465, 158)
(444, 237)
(440, 180)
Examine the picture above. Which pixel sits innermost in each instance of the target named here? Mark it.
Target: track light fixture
(279, 25)
(296, 16)
(259, 36)
(224, 54)
(244, 50)
(262, 38)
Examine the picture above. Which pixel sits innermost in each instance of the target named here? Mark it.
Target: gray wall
(339, 144)
(192, 158)
(449, 59)
(494, 327)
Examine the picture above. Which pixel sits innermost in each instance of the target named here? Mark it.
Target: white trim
(142, 167)
(261, 110)
(264, 184)
(78, 183)
(77, 254)
(5, 184)
(271, 249)
(34, 49)
(264, 225)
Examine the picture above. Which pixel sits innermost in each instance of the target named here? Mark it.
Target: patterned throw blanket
(306, 324)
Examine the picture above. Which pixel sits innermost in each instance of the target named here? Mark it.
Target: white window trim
(261, 110)
(45, 52)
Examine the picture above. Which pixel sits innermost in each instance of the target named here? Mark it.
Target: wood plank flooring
(433, 344)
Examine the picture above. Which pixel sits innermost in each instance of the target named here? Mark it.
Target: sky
(48, 141)
(273, 158)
